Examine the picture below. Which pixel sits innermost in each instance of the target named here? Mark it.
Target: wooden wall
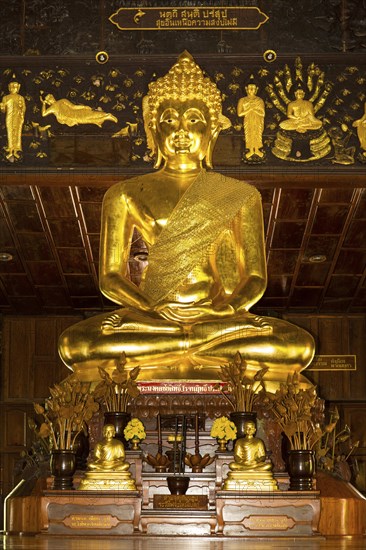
(30, 364)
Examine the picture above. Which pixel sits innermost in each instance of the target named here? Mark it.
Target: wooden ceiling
(50, 226)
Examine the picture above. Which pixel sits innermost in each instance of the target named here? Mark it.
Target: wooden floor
(160, 543)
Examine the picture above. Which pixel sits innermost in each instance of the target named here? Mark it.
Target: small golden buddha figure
(300, 114)
(108, 468)
(70, 114)
(205, 252)
(251, 108)
(250, 471)
(301, 137)
(249, 452)
(13, 105)
(109, 454)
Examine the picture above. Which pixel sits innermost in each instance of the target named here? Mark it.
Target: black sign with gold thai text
(333, 362)
(213, 18)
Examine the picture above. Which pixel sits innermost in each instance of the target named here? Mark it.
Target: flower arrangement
(65, 413)
(223, 428)
(115, 390)
(134, 430)
(335, 448)
(293, 407)
(243, 390)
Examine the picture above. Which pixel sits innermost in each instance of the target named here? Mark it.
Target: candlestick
(160, 441)
(183, 445)
(196, 434)
(175, 445)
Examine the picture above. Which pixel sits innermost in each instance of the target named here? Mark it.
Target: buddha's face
(249, 428)
(251, 90)
(183, 130)
(109, 431)
(300, 94)
(14, 87)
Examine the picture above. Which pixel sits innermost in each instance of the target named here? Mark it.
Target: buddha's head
(251, 87)
(50, 99)
(14, 87)
(183, 113)
(299, 90)
(109, 431)
(249, 428)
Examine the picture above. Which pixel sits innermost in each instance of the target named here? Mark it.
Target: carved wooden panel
(31, 361)
(337, 335)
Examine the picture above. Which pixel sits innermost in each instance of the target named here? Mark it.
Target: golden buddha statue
(109, 454)
(70, 114)
(300, 114)
(206, 256)
(13, 105)
(252, 109)
(108, 469)
(249, 452)
(250, 471)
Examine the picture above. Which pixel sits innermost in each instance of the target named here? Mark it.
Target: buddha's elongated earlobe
(211, 146)
(158, 157)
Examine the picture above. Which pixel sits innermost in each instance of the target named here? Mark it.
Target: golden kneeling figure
(205, 256)
(250, 471)
(108, 470)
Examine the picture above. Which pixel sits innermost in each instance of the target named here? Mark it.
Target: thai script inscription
(199, 18)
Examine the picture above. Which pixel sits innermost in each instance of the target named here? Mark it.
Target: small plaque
(90, 521)
(197, 388)
(333, 363)
(181, 502)
(268, 523)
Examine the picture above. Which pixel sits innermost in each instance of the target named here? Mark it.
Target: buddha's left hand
(185, 313)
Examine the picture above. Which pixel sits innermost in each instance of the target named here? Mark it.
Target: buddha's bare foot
(112, 322)
(256, 322)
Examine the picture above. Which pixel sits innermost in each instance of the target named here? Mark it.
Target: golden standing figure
(251, 107)
(206, 256)
(108, 470)
(360, 124)
(13, 105)
(250, 470)
(70, 114)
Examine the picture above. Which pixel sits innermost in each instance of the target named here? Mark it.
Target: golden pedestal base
(250, 481)
(107, 481)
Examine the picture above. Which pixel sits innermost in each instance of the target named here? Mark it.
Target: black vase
(63, 466)
(119, 421)
(301, 469)
(240, 418)
(178, 485)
